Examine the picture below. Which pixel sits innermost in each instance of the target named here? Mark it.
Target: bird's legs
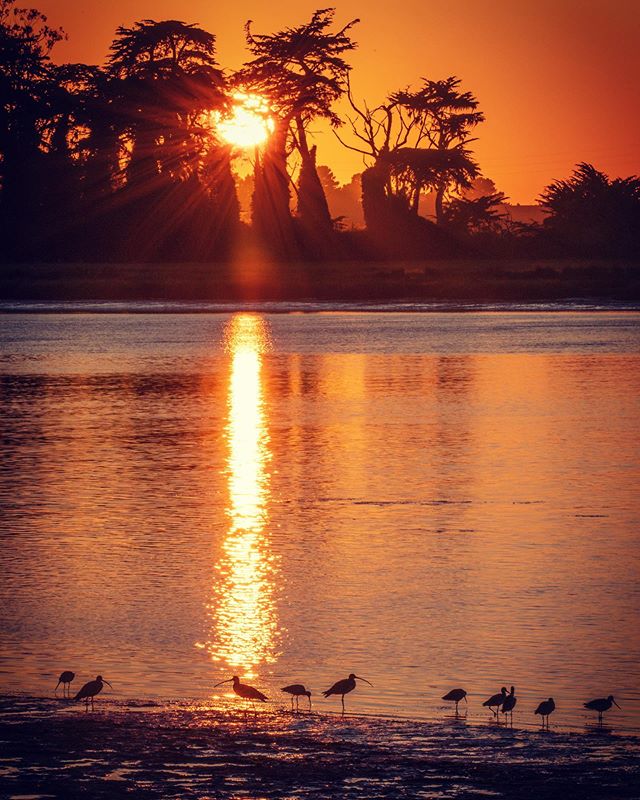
(92, 708)
(343, 705)
(297, 704)
(292, 704)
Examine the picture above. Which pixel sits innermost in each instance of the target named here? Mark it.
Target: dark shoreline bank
(450, 282)
(193, 751)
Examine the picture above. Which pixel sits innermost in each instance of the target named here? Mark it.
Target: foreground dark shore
(479, 281)
(128, 749)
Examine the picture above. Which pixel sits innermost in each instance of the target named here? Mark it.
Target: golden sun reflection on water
(245, 624)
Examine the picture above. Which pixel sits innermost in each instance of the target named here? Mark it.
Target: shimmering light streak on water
(244, 614)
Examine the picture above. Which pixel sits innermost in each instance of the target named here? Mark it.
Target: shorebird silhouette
(90, 690)
(601, 704)
(509, 703)
(496, 700)
(297, 690)
(545, 708)
(455, 696)
(65, 679)
(245, 692)
(345, 686)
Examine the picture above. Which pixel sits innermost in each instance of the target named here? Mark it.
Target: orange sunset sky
(557, 79)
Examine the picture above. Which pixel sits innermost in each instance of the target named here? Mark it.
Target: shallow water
(192, 750)
(427, 500)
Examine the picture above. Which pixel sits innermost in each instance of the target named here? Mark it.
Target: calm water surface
(427, 500)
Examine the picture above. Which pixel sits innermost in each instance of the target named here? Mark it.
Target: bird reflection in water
(245, 632)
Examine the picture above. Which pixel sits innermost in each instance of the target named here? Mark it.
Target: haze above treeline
(124, 161)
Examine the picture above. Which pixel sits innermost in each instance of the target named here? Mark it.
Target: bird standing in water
(65, 679)
(455, 696)
(545, 708)
(601, 704)
(344, 687)
(496, 700)
(509, 703)
(297, 690)
(90, 690)
(244, 691)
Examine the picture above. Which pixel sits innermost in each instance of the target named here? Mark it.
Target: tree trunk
(313, 209)
(270, 212)
(440, 203)
(374, 198)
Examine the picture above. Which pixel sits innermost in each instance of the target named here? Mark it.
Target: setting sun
(249, 123)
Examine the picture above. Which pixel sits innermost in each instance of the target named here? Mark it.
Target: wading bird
(545, 708)
(455, 696)
(496, 700)
(601, 704)
(509, 703)
(244, 691)
(344, 687)
(90, 690)
(65, 679)
(297, 690)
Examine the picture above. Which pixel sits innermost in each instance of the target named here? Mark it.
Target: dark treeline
(122, 162)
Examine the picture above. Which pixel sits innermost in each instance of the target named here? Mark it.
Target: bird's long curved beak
(364, 679)
(56, 689)
(465, 699)
(221, 682)
(615, 704)
(107, 682)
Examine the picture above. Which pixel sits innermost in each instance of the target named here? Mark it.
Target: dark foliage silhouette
(302, 72)
(123, 162)
(590, 214)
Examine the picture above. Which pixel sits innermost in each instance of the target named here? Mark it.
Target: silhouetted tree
(302, 72)
(166, 84)
(26, 41)
(445, 117)
(416, 141)
(591, 214)
(477, 215)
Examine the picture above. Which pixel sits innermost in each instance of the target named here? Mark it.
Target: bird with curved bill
(65, 679)
(496, 700)
(244, 691)
(455, 696)
(90, 690)
(601, 704)
(545, 708)
(344, 686)
(297, 690)
(509, 704)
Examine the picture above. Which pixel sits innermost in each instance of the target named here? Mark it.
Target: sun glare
(249, 123)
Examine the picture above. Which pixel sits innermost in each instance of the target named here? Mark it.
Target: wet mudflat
(51, 749)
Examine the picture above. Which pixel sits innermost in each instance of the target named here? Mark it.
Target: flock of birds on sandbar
(501, 703)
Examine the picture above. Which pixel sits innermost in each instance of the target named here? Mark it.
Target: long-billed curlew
(90, 690)
(545, 708)
(455, 696)
(65, 679)
(345, 686)
(297, 690)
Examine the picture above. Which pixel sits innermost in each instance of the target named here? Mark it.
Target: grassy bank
(467, 281)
